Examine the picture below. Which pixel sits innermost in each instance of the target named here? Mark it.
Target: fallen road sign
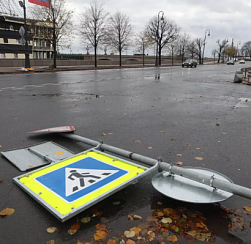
(73, 185)
(55, 129)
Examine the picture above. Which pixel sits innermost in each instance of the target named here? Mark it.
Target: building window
(5, 40)
(15, 55)
(11, 27)
(2, 55)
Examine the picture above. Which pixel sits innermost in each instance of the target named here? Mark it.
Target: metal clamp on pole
(160, 159)
(98, 147)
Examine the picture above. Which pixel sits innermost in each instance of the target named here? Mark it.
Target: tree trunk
(159, 54)
(95, 55)
(120, 58)
(54, 45)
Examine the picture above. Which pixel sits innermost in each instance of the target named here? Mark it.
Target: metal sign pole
(172, 169)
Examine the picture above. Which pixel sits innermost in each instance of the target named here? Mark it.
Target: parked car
(242, 61)
(190, 63)
(231, 61)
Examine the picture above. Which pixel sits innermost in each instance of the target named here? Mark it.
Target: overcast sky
(224, 18)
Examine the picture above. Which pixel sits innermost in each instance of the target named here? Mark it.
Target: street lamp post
(27, 58)
(207, 32)
(238, 43)
(157, 38)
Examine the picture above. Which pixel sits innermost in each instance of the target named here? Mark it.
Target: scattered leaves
(179, 163)
(247, 209)
(137, 230)
(100, 235)
(96, 213)
(166, 221)
(179, 155)
(110, 241)
(173, 238)
(198, 158)
(7, 211)
(151, 235)
(74, 228)
(85, 220)
(51, 229)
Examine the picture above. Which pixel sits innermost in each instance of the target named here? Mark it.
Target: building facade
(11, 47)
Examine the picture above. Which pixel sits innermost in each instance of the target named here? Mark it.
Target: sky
(224, 18)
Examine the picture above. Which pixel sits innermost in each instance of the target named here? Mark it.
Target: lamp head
(21, 4)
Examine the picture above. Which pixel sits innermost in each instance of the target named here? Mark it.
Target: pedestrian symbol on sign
(79, 179)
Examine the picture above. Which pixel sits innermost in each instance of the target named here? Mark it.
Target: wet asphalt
(195, 112)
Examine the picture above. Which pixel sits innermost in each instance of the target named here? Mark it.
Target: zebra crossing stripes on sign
(80, 178)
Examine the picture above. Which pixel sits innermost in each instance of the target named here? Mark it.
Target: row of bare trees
(101, 30)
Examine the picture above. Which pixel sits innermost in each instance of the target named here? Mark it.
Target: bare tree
(214, 52)
(93, 25)
(163, 32)
(246, 49)
(221, 49)
(55, 23)
(198, 48)
(119, 33)
(183, 42)
(191, 49)
(142, 42)
(172, 49)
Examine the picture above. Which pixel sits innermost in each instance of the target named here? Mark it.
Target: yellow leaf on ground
(7, 211)
(137, 230)
(198, 158)
(50, 242)
(130, 217)
(51, 229)
(173, 238)
(129, 241)
(129, 234)
(100, 235)
(179, 155)
(247, 208)
(103, 134)
(150, 148)
(85, 220)
(110, 241)
(72, 232)
(137, 216)
(179, 163)
(166, 221)
(137, 141)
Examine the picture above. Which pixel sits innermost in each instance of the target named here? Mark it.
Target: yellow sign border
(60, 205)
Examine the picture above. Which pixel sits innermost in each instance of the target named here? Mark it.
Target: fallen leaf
(189, 145)
(1, 146)
(130, 217)
(160, 214)
(137, 141)
(85, 220)
(150, 148)
(159, 203)
(246, 100)
(198, 148)
(151, 235)
(72, 232)
(96, 213)
(179, 163)
(110, 241)
(172, 238)
(137, 216)
(166, 221)
(199, 158)
(1, 181)
(224, 133)
(129, 241)
(50, 242)
(217, 124)
(137, 230)
(100, 235)
(129, 234)
(247, 208)
(110, 133)
(171, 139)
(179, 155)
(7, 211)
(103, 134)
(51, 229)
(100, 226)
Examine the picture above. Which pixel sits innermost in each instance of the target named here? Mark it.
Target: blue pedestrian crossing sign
(80, 178)
(79, 182)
